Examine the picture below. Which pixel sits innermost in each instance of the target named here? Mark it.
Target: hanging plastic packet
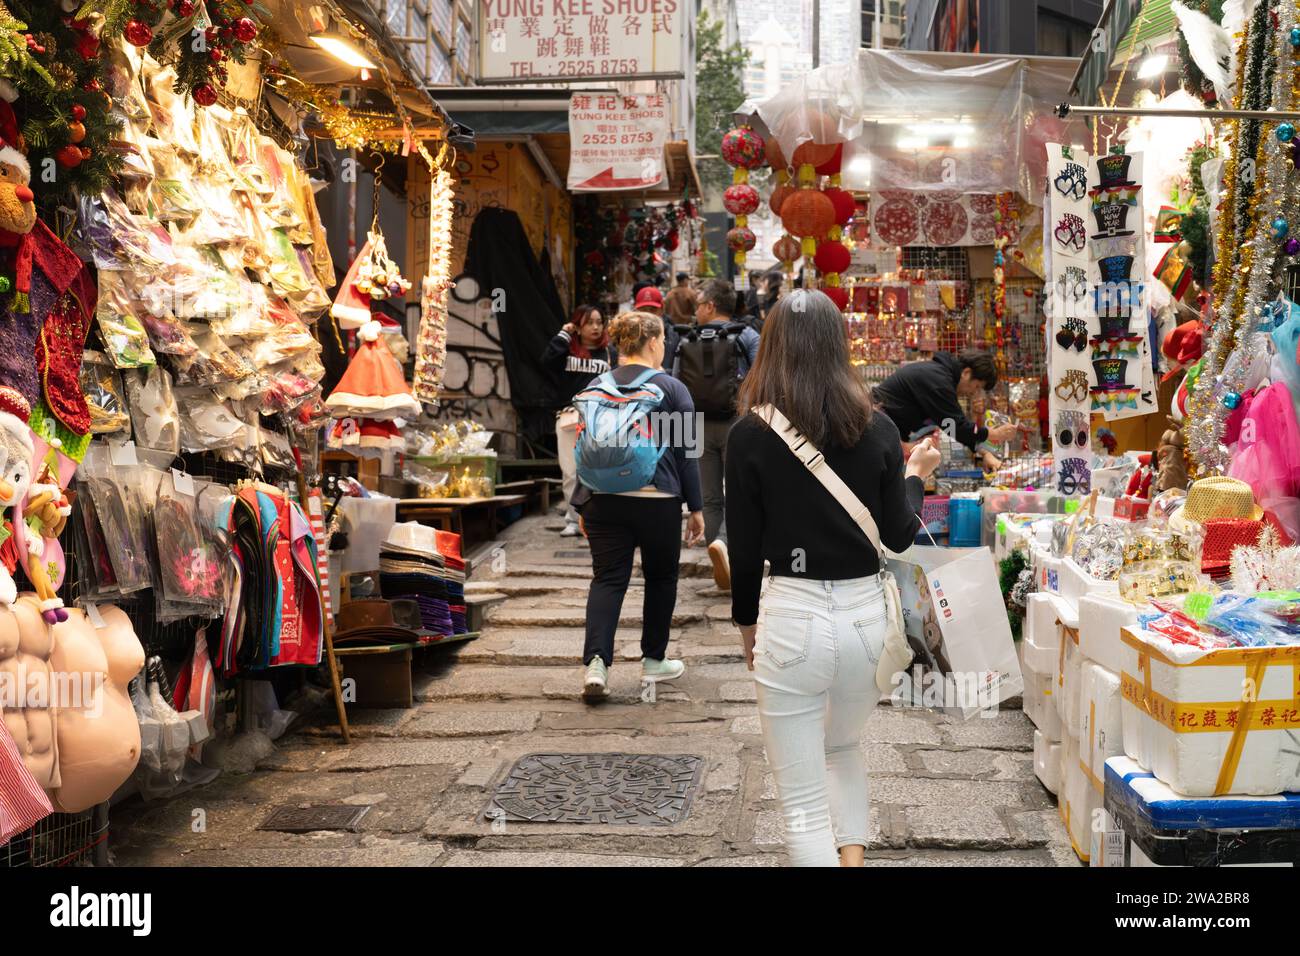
(112, 486)
(103, 390)
(154, 415)
(94, 566)
(190, 570)
(123, 334)
(207, 423)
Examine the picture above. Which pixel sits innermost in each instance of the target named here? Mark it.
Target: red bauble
(779, 195)
(215, 54)
(137, 32)
(185, 8)
(204, 94)
(787, 249)
(807, 213)
(831, 257)
(740, 199)
(839, 295)
(245, 30)
(68, 156)
(78, 112)
(741, 239)
(844, 204)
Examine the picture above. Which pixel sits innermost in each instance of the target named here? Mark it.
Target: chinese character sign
(522, 40)
(616, 141)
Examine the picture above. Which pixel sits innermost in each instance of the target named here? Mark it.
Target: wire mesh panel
(62, 839)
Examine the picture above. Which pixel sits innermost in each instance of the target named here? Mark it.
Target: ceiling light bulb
(339, 48)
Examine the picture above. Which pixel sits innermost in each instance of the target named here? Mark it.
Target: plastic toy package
(103, 390)
(119, 506)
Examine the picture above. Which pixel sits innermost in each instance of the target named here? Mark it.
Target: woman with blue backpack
(634, 471)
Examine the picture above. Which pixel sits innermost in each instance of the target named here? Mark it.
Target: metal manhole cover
(615, 789)
(308, 819)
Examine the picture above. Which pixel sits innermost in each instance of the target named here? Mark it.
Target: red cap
(649, 298)
(1183, 345)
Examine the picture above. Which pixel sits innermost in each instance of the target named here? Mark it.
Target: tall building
(1021, 27)
(893, 17)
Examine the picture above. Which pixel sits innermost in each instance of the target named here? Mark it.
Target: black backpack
(708, 364)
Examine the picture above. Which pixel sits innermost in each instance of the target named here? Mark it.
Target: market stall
(166, 281)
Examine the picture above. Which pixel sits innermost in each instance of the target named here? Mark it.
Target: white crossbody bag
(897, 654)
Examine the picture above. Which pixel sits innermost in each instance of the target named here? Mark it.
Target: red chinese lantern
(844, 203)
(743, 148)
(779, 195)
(740, 240)
(832, 164)
(837, 294)
(786, 249)
(807, 214)
(813, 154)
(831, 257)
(740, 199)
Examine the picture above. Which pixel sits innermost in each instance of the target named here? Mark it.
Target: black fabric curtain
(501, 260)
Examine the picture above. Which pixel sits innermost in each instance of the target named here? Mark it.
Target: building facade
(1019, 27)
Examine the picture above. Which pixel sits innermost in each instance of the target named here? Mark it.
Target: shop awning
(540, 120)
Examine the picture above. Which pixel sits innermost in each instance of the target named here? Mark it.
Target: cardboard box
(1216, 722)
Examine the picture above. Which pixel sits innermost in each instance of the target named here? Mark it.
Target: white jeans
(815, 658)
(566, 440)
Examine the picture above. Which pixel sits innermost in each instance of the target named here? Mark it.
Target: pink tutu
(1268, 455)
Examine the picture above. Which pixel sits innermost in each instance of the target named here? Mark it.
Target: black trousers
(616, 526)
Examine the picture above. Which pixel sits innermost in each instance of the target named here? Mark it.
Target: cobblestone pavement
(945, 792)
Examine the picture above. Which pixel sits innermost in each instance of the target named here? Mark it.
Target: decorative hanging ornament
(245, 30)
(1295, 38)
(740, 240)
(786, 249)
(843, 201)
(832, 257)
(1279, 228)
(76, 131)
(137, 32)
(743, 148)
(837, 294)
(205, 94)
(1285, 132)
(740, 199)
(1292, 246)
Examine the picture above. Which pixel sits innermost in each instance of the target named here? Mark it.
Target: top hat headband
(1113, 170)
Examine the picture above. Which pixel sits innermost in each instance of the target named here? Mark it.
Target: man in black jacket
(923, 396)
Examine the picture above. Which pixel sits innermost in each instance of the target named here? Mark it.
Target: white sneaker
(665, 669)
(570, 530)
(596, 683)
(721, 559)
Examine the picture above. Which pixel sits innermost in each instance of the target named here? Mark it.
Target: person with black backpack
(712, 359)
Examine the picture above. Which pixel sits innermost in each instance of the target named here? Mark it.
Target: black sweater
(925, 393)
(574, 373)
(777, 510)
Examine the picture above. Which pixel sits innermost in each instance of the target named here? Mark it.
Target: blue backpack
(616, 449)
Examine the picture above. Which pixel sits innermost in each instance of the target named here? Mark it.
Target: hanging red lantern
(743, 148)
(837, 294)
(772, 152)
(813, 154)
(831, 257)
(779, 195)
(741, 239)
(807, 214)
(831, 165)
(844, 203)
(786, 249)
(740, 199)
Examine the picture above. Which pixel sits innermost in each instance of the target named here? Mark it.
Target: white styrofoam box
(1076, 582)
(1033, 683)
(1047, 762)
(1101, 617)
(1103, 730)
(1078, 802)
(1069, 686)
(1171, 693)
(1041, 636)
(1107, 842)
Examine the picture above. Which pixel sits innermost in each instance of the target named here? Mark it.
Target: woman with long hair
(815, 634)
(649, 518)
(579, 352)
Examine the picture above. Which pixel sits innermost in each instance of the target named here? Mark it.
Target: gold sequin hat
(1216, 497)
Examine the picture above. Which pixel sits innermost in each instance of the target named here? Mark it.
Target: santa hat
(1183, 345)
(12, 147)
(352, 308)
(13, 403)
(373, 386)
